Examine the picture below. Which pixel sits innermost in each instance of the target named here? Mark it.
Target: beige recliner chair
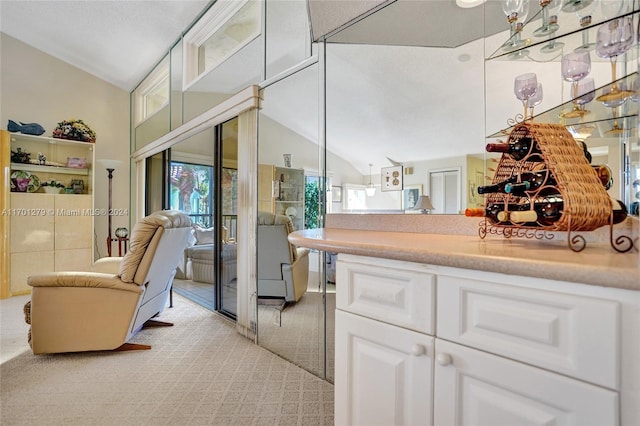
(88, 311)
(283, 269)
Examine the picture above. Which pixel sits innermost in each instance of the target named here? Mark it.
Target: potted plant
(52, 186)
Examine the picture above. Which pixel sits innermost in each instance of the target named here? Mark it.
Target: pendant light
(370, 190)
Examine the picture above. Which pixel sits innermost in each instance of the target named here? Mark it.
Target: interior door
(444, 190)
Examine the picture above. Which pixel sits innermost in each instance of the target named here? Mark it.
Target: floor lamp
(110, 165)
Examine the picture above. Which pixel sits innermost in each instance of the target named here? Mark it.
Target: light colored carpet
(297, 332)
(198, 372)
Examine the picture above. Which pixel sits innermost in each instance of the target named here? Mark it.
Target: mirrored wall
(291, 290)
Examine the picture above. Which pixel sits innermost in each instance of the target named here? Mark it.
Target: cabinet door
(32, 223)
(73, 222)
(383, 373)
(476, 388)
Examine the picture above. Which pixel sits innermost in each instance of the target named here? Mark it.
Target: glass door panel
(228, 219)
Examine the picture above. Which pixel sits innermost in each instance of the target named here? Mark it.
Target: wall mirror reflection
(291, 292)
(422, 96)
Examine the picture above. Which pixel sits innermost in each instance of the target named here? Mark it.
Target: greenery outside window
(190, 191)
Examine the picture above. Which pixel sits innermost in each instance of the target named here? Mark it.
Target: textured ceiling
(117, 41)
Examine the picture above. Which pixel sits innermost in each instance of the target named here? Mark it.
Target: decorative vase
(52, 189)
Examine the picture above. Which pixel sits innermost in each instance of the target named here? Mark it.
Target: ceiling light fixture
(370, 190)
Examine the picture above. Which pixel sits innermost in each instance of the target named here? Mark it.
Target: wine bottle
(587, 154)
(499, 213)
(519, 184)
(518, 149)
(548, 210)
(620, 211)
(604, 174)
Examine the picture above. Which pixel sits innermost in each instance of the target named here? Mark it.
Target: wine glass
(534, 100)
(586, 93)
(585, 15)
(575, 5)
(549, 8)
(612, 8)
(614, 38)
(614, 102)
(575, 67)
(524, 87)
(516, 12)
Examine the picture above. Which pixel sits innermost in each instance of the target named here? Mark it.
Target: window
(225, 29)
(153, 93)
(190, 193)
(311, 202)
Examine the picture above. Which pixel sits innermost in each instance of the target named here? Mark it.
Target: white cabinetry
(385, 373)
(384, 343)
(475, 388)
(502, 350)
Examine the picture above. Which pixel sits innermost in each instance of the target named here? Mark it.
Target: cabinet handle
(444, 359)
(418, 350)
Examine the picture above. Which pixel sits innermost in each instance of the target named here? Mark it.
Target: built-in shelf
(49, 169)
(47, 139)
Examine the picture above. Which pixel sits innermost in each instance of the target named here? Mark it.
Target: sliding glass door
(198, 176)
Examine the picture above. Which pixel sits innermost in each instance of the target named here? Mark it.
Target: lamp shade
(423, 204)
(110, 164)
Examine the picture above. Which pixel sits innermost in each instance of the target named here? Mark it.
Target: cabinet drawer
(574, 335)
(395, 292)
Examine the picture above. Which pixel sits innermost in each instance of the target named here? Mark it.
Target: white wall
(36, 87)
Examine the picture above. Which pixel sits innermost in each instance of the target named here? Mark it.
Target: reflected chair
(90, 311)
(283, 269)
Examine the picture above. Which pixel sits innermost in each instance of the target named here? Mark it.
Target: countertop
(598, 264)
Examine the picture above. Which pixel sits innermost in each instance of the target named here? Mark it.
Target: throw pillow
(203, 235)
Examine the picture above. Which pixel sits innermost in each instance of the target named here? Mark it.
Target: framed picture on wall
(410, 195)
(391, 178)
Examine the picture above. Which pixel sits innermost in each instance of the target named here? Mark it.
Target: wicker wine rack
(586, 204)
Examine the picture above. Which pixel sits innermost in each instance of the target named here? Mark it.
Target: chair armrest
(107, 265)
(297, 275)
(82, 279)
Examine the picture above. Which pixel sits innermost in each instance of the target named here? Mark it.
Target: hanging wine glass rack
(586, 205)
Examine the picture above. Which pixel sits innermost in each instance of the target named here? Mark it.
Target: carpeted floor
(296, 332)
(198, 372)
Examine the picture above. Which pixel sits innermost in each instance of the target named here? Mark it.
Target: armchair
(283, 269)
(87, 311)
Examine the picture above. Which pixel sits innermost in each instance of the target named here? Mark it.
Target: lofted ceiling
(121, 41)
(117, 41)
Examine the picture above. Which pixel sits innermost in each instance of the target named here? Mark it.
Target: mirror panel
(289, 124)
(176, 85)
(288, 35)
(385, 107)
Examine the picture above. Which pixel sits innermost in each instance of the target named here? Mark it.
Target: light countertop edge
(598, 264)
